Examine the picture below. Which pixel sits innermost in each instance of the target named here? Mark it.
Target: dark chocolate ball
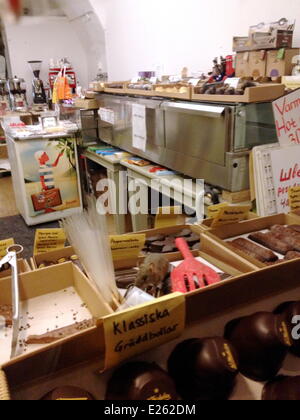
(262, 342)
(289, 310)
(140, 381)
(282, 389)
(68, 393)
(204, 369)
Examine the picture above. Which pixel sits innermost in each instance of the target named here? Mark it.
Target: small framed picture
(49, 121)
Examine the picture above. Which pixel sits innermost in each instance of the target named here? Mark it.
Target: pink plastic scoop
(191, 274)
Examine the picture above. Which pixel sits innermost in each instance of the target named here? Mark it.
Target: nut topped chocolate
(262, 341)
(141, 381)
(204, 369)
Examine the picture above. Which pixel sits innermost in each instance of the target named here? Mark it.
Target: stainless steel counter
(209, 141)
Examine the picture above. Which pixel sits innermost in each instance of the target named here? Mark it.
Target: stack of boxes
(267, 51)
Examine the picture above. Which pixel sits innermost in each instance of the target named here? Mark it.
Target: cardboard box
(241, 44)
(271, 40)
(226, 232)
(207, 313)
(262, 93)
(276, 66)
(68, 351)
(86, 104)
(242, 66)
(257, 64)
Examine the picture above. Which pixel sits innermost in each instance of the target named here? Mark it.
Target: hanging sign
(287, 118)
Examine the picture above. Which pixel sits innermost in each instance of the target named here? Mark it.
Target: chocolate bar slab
(270, 241)
(255, 251)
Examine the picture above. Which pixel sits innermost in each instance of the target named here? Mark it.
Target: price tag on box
(231, 214)
(143, 328)
(49, 240)
(4, 245)
(294, 197)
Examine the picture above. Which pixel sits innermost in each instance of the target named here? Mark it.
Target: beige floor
(7, 198)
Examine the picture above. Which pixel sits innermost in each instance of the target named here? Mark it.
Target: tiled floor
(7, 198)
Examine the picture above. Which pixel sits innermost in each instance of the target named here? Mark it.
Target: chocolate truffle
(141, 381)
(262, 341)
(204, 369)
(290, 310)
(68, 393)
(282, 389)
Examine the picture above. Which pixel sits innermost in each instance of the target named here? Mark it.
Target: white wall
(43, 38)
(141, 35)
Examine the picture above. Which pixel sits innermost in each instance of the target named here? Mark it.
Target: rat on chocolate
(152, 272)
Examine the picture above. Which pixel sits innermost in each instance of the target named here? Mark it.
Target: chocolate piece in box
(282, 388)
(262, 342)
(204, 369)
(140, 381)
(288, 311)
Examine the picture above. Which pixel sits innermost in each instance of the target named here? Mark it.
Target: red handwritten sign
(287, 118)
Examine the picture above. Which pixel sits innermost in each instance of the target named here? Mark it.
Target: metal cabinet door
(199, 131)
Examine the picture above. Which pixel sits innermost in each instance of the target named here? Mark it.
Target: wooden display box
(174, 95)
(263, 93)
(223, 233)
(23, 267)
(207, 313)
(140, 92)
(3, 151)
(219, 256)
(109, 89)
(66, 352)
(52, 256)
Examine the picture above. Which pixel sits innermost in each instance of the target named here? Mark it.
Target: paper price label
(48, 240)
(294, 198)
(231, 214)
(140, 329)
(139, 127)
(127, 247)
(169, 216)
(4, 245)
(214, 210)
(287, 118)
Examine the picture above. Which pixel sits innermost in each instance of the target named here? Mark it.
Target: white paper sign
(194, 82)
(286, 174)
(233, 82)
(139, 129)
(107, 115)
(287, 118)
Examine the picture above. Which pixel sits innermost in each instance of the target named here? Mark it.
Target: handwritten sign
(4, 245)
(127, 247)
(169, 216)
(214, 210)
(287, 118)
(48, 240)
(140, 329)
(286, 175)
(294, 197)
(139, 128)
(231, 214)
